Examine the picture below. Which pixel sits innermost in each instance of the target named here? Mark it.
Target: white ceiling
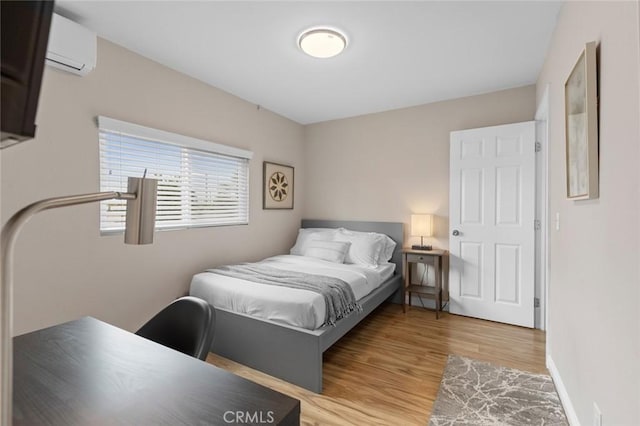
(399, 53)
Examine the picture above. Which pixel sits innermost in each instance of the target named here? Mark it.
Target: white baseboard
(572, 417)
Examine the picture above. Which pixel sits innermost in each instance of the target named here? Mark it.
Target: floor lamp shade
(141, 211)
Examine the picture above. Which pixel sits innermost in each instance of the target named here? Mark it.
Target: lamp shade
(141, 211)
(421, 225)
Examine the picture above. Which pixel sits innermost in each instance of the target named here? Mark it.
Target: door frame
(542, 209)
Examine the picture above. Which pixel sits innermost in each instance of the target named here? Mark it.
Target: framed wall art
(581, 126)
(277, 190)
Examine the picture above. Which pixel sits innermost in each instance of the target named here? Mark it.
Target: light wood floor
(387, 370)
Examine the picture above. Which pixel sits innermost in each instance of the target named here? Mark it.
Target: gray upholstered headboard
(393, 229)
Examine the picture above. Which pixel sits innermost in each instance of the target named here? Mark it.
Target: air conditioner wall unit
(71, 47)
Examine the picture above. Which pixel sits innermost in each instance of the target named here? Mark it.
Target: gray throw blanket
(338, 295)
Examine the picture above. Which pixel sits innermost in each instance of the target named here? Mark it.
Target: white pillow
(387, 251)
(307, 234)
(366, 247)
(332, 251)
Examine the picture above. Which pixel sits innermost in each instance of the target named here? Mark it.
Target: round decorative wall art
(278, 186)
(277, 191)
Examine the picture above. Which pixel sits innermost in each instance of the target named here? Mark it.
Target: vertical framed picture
(277, 190)
(581, 126)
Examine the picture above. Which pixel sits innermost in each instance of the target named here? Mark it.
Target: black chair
(186, 325)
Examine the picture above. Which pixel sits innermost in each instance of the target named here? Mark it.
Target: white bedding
(300, 308)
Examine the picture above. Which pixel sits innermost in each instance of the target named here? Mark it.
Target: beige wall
(388, 165)
(64, 268)
(594, 297)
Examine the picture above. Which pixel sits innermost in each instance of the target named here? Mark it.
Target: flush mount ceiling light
(322, 42)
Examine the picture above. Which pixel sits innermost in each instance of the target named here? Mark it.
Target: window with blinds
(200, 183)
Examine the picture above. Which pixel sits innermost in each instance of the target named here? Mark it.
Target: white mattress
(300, 308)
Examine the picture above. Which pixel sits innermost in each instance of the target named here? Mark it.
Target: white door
(491, 223)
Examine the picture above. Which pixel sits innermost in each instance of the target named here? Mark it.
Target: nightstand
(440, 261)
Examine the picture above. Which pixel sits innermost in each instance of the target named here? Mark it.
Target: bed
(290, 345)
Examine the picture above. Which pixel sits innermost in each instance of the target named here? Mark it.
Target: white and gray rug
(478, 393)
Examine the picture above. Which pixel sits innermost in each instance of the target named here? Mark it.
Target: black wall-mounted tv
(25, 33)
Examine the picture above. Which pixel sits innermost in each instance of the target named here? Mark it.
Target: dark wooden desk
(87, 372)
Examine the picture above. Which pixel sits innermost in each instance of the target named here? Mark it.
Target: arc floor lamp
(141, 199)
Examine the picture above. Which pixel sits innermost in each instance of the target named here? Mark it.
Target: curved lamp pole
(141, 213)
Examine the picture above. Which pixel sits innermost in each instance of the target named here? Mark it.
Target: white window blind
(200, 183)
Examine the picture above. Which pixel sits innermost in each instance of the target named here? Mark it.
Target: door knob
(455, 232)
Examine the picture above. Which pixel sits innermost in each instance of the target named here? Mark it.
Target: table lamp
(421, 226)
(140, 224)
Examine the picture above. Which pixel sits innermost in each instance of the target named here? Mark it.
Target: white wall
(388, 165)
(594, 290)
(64, 268)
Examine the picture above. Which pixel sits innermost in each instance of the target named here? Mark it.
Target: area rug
(478, 393)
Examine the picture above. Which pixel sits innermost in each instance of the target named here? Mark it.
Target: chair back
(186, 325)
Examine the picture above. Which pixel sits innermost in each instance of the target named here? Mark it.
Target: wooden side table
(439, 260)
